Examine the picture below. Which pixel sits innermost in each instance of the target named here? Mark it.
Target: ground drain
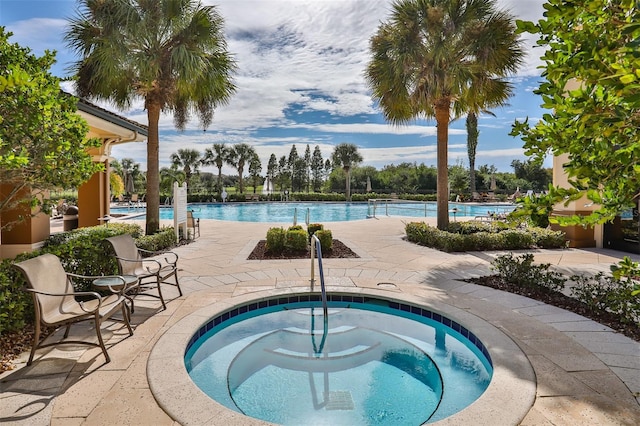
(339, 400)
(387, 285)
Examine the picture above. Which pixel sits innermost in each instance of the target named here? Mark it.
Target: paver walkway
(586, 374)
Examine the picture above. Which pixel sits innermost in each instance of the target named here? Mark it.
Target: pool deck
(585, 373)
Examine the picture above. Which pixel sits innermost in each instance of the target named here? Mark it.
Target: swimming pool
(319, 212)
(371, 362)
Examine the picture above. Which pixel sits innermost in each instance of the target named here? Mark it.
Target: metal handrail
(317, 247)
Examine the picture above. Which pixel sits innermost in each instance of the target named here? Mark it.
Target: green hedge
(296, 239)
(82, 251)
(326, 239)
(474, 236)
(275, 240)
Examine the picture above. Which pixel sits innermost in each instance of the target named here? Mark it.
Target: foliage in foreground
(611, 293)
(476, 236)
(591, 81)
(43, 141)
(82, 251)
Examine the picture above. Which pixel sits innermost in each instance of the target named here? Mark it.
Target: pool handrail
(316, 247)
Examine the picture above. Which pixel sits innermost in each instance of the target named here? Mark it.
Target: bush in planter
(275, 240)
(296, 239)
(313, 227)
(326, 239)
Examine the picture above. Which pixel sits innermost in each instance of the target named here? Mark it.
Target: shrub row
(474, 236)
(81, 251)
(601, 292)
(295, 238)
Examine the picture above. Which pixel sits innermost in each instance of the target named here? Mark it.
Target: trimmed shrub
(17, 305)
(326, 239)
(296, 239)
(521, 271)
(547, 238)
(313, 227)
(275, 240)
(475, 235)
(608, 293)
(163, 240)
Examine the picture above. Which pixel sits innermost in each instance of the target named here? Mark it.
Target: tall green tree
(255, 167)
(272, 170)
(190, 161)
(216, 156)
(291, 163)
(591, 90)
(170, 53)
(346, 155)
(307, 167)
(440, 59)
(472, 145)
(239, 155)
(42, 139)
(317, 169)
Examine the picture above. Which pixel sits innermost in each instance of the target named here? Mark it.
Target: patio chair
(150, 272)
(193, 223)
(54, 300)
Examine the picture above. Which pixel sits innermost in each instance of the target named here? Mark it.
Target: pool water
(317, 212)
(286, 365)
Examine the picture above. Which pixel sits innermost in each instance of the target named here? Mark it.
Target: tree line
(312, 173)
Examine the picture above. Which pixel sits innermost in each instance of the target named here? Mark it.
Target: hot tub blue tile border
(278, 300)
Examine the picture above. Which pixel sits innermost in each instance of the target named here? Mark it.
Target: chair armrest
(170, 257)
(93, 294)
(158, 265)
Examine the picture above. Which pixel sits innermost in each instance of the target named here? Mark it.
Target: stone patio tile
(581, 325)
(624, 361)
(67, 421)
(554, 381)
(566, 354)
(352, 272)
(606, 383)
(227, 279)
(77, 399)
(130, 406)
(26, 409)
(596, 410)
(631, 377)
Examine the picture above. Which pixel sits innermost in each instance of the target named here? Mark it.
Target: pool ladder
(316, 247)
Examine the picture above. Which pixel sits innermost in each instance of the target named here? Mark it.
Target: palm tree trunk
(153, 172)
(348, 183)
(442, 124)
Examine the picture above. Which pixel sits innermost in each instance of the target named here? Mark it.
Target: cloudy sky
(300, 81)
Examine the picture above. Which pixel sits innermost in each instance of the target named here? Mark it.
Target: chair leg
(164, 305)
(178, 284)
(99, 333)
(127, 316)
(36, 339)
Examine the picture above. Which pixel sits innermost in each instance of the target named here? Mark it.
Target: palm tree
(442, 58)
(170, 53)
(239, 155)
(347, 156)
(472, 145)
(189, 160)
(217, 157)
